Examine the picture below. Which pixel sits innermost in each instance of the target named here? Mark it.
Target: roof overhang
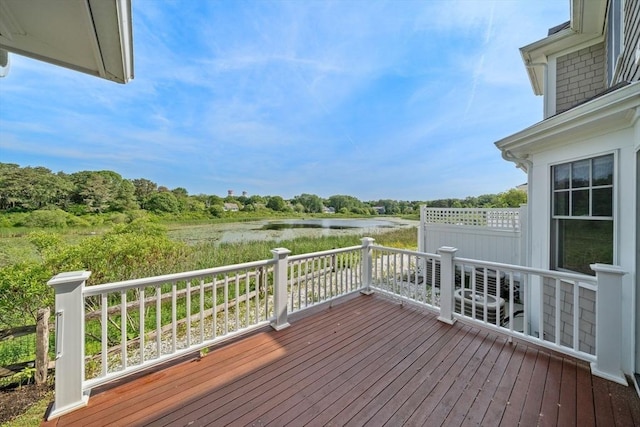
(90, 36)
(587, 25)
(615, 110)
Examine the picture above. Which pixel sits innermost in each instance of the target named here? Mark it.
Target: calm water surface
(284, 229)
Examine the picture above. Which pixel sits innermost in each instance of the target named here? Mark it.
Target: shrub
(138, 249)
(55, 218)
(23, 289)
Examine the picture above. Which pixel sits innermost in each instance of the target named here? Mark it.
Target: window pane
(582, 242)
(580, 203)
(561, 177)
(561, 203)
(603, 170)
(602, 203)
(580, 174)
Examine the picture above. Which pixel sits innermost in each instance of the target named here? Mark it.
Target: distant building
(230, 207)
(380, 210)
(230, 193)
(329, 210)
(522, 187)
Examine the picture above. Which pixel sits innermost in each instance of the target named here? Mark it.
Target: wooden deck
(367, 361)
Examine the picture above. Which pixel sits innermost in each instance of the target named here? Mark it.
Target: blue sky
(374, 99)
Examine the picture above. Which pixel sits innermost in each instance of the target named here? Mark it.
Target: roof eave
(587, 25)
(91, 36)
(618, 109)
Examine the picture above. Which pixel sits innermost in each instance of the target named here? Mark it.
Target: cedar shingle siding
(629, 68)
(580, 76)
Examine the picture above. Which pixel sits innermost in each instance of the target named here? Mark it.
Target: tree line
(29, 189)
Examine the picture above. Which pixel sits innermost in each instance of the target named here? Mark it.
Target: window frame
(555, 219)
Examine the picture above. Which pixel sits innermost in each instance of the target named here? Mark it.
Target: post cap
(606, 268)
(280, 251)
(69, 277)
(447, 249)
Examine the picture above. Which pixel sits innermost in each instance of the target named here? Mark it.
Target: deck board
(367, 361)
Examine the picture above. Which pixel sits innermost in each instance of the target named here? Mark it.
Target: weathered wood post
(42, 345)
(608, 362)
(280, 292)
(69, 317)
(447, 275)
(367, 265)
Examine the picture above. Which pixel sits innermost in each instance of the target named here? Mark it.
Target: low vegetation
(117, 229)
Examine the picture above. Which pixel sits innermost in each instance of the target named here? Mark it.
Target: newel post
(608, 362)
(69, 330)
(447, 275)
(367, 265)
(280, 255)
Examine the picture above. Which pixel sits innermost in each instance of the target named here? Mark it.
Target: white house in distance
(583, 159)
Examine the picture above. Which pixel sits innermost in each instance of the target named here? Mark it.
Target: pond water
(284, 229)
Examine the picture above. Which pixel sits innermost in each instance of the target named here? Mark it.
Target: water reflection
(332, 224)
(278, 230)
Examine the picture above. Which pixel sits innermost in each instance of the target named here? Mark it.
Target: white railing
(139, 323)
(398, 273)
(322, 276)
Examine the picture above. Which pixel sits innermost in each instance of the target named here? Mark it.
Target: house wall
(587, 315)
(622, 143)
(580, 75)
(630, 66)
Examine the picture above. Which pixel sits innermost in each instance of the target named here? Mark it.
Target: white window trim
(552, 236)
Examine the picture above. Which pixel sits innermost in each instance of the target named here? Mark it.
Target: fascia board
(618, 109)
(113, 30)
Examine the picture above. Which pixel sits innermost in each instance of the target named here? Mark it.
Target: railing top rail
(539, 271)
(324, 253)
(405, 251)
(188, 275)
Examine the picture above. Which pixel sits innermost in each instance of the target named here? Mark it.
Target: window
(582, 214)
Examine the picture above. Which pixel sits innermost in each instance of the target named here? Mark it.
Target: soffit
(91, 36)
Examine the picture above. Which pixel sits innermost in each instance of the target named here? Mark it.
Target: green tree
(310, 202)
(512, 198)
(32, 188)
(96, 193)
(163, 202)
(125, 198)
(277, 203)
(216, 211)
(143, 188)
(338, 202)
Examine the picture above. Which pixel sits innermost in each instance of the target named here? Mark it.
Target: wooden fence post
(42, 345)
